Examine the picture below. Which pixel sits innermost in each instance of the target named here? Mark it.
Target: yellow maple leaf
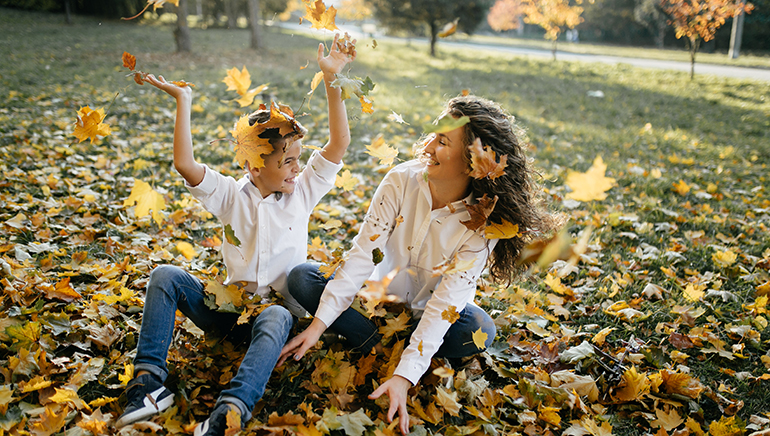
(505, 230)
(632, 386)
(599, 338)
(89, 124)
(146, 199)
(238, 81)
(550, 415)
(450, 314)
(382, 151)
(367, 104)
(681, 187)
(128, 374)
(317, 250)
(6, 397)
(591, 185)
(248, 97)
(249, 147)
(225, 294)
(233, 421)
(605, 429)
(317, 79)
(319, 16)
(186, 249)
(725, 258)
(480, 339)
(337, 260)
(395, 325)
(667, 420)
(448, 401)
(726, 426)
(49, 422)
(694, 292)
(97, 423)
(346, 181)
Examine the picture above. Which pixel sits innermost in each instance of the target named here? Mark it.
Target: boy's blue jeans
(171, 288)
(307, 283)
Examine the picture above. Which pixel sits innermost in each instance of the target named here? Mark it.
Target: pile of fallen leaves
(646, 315)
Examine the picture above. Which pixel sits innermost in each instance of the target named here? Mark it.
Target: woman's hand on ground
(396, 388)
(299, 344)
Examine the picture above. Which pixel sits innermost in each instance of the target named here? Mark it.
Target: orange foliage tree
(552, 15)
(699, 20)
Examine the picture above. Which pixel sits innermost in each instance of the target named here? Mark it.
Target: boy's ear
(253, 171)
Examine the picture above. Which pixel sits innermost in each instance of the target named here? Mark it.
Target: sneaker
(216, 423)
(146, 397)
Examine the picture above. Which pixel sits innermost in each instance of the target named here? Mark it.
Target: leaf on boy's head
(319, 16)
(483, 162)
(446, 123)
(249, 147)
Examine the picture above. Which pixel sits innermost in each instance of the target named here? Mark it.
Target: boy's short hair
(263, 115)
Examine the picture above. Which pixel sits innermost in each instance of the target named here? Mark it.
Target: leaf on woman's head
(129, 60)
(89, 124)
(319, 16)
(483, 162)
(249, 147)
(446, 123)
(479, 212)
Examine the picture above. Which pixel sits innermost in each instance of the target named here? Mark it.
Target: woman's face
(445, 156)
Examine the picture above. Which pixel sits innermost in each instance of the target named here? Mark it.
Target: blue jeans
(307, 283)
(171, 288)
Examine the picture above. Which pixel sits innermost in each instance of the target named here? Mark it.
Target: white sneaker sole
(151, 407)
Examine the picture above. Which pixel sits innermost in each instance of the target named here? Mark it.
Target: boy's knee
(163, 272)
(297, 279)
(279, 315)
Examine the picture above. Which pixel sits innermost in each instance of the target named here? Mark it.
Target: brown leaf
(479, 212)
(484, 163)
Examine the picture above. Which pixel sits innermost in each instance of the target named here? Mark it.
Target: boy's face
(280, 171)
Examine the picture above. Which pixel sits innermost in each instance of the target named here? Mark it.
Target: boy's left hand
(340, 54)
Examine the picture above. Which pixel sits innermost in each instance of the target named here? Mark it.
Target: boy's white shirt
(422, 241)
(272, 232)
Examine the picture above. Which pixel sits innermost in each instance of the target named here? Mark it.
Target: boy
(268, 210)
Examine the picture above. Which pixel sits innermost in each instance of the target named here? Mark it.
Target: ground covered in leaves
(659, 327)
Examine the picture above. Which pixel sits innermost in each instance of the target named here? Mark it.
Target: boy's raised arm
(339, 131)
(184, 160)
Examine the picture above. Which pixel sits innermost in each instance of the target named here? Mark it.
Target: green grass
(711, 133)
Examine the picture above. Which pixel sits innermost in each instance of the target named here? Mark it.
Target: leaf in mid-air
(453, 266)
(448, 29)
(505, 230)
(591, 185)
(479, 212)
(155, 5)
(319, 16)
(348, 86)
(129, 60)
(395, 325)
(366, 104)
(230, 236)
(346, 181)
(484, 163)
(238, 81)
(377, 255)
(480, 339)
(382, 151)
(146, 199)
(89, 124)
(446, 123)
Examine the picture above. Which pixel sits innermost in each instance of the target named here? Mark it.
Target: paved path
(700, 68)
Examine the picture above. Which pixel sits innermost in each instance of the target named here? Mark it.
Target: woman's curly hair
(521, 199)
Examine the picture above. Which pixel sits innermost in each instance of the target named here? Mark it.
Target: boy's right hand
(171, 89)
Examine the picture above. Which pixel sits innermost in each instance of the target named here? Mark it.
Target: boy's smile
(280, 171)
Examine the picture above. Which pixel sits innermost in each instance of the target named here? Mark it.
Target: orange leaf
(238, 81)
(591, 185)
(395, 325)
(62, 291)
(632, 386)
(448, 29)
(129, 60)
(249, 147)
(450, 314)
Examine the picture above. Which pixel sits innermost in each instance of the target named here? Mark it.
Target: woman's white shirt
(272, 230)
(415, 240)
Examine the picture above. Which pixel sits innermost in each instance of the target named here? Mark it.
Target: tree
(182, 31)
(506, 15)
(698, 20)
(553, 16)
(430, 15)
(254, 15)
(650, 14)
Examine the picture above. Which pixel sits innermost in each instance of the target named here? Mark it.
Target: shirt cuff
(323, 167)
(206, 186)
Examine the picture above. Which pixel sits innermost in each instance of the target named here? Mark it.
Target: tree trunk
(67, 12)
(660, 35)
(182, 31)
(232, 17)
(433, 37)
(256, 41)
(553, 49)
(736, 35)
(694, 42)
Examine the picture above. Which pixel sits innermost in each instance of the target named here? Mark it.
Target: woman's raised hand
(341, 53)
